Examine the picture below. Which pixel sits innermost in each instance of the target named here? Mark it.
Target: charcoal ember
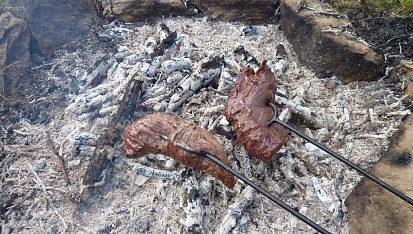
(150, 46)
(160, 52)
(144, 137)
(96, 76)
(210, 70)
(123, 51)
(249, 30)
(249, 114)
(90, 99)
(85, 139)
(280, 67)
(243, 56)
(281, 52)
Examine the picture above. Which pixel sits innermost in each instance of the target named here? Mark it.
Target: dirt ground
(388, 34)
(391, 214)
(54, 118)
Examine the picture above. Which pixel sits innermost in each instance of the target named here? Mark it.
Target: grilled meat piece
(249, 114)
(144, 137)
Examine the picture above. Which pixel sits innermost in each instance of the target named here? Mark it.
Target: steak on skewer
(144, 137)
(249, 114)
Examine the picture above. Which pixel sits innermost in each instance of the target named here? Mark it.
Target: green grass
(398, 7)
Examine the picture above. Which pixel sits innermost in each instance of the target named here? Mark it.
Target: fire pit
(62, 159)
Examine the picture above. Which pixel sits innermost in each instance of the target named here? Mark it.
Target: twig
(399, 113)
(40, 182)
(22, 133)
(53, 63)
(330, 30)
(194, 210)
(370, 136)
(2, 70)
(4, 98)
(303, 111)
(246, 162)
(172, 106)
(49, 188)
(59, 156)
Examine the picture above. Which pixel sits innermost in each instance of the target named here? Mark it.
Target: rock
(140, 180)
(54, 23)
(140, 10)
(372, 209)
(253, 11)
(407, 68)
(320, 39)
(330, 84)
(409, 90)
(14, 47)
(281, 52)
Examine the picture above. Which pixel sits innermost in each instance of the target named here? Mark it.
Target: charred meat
(144, 137)
(249, 114)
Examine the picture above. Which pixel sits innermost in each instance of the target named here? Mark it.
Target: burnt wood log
(95, 173)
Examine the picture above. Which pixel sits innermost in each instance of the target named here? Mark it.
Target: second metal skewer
(252, 184)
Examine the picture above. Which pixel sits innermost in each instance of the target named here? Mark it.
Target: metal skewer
(250, 183)
(275, 119)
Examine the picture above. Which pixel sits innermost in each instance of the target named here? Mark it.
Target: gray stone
(372, 209)
(14, 49)
(407, 68)
(253, 11)
(320, 39)
(140, 10)
(409, 90)
(54, 23)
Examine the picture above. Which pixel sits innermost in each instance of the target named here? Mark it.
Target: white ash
(192, 79)
(151, 172)
(235, 211)
(177, 64)
(194, 209)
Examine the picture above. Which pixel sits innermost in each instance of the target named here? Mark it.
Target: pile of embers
(187, 68)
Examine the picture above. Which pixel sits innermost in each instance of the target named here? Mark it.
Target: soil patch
(392, 35)
(382, 30)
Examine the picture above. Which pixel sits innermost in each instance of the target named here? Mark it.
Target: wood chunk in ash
(169, 42)
(99, 162)
(244, 56)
